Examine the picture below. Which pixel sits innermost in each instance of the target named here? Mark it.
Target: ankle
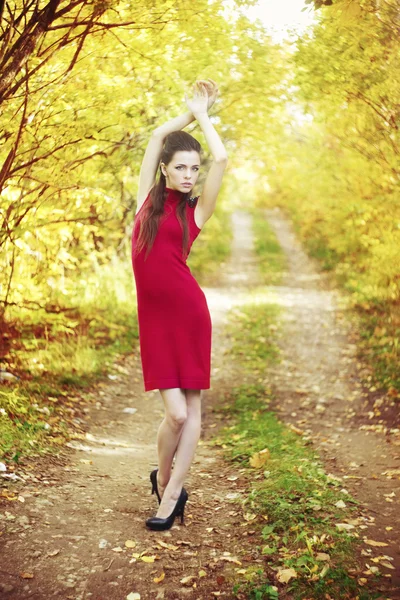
(173, 490)
(162, 481)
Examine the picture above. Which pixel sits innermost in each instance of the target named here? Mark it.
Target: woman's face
(183, 170)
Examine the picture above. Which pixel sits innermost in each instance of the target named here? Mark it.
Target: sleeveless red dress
(173, 317)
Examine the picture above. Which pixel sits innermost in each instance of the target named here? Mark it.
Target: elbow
(157, 134)
(221, 160)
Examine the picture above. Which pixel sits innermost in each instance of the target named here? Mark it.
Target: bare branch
(6, 168)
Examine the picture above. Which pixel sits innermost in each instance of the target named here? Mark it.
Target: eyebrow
(183, 165)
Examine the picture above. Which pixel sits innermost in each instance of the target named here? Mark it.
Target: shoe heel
(159, 524)
(154, 487)
(182, 510)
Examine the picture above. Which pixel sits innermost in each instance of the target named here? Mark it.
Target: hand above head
(212, 90)
(199, 103)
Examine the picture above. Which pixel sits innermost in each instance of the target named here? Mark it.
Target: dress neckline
(173, 194)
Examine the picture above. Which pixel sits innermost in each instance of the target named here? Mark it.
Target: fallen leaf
(340, 504)
(250, 516)
(377, 559)
(344, 526)
(230, 559)
(117, 549)
(130, 544)
(260, 458)
(188, 579)
(53, 552)
(133, 596)
(186, 543)
(324, 571)
(374, 543)
(322, 556)
(147, 559)
(168, 546)
(27, 575)
(285, 575)
(296, 429)
(160, 578)
(202, 573)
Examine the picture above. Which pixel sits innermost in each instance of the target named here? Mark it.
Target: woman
(173, 316)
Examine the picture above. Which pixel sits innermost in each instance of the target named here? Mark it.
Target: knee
(177, 420)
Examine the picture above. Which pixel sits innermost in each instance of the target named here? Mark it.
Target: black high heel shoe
(153, 479)
(159, 524)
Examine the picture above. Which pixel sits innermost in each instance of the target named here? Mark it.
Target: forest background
(311, 125)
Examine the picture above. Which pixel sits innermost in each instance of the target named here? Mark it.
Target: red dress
(173, 316)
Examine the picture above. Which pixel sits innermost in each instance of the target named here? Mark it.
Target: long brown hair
(151, 215)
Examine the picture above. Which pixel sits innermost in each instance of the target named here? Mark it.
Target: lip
(187, 184)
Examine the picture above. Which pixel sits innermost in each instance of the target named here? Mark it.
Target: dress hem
(191, 384)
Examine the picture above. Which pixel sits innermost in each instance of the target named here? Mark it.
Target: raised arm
(151, 158)
(199, 106)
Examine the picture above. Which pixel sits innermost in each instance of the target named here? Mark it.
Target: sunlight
(283, 20)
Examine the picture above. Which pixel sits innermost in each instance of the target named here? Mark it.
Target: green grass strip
(292, 503)
(271, 260)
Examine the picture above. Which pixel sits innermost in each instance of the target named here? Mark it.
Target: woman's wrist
(189, 116)
(201, 115)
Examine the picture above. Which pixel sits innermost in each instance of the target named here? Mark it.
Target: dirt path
(318, 389)
(67, 539)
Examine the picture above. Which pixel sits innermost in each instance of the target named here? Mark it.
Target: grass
(271, 259)
(292, 504)
(294, 500)
(58, 356)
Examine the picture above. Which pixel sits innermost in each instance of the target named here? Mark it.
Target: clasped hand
(205, 93)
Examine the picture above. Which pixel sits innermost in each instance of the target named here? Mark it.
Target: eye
(179, 167)
(195, 168)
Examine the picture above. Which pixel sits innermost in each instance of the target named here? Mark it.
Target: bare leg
(169, 433)
(185, 452)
